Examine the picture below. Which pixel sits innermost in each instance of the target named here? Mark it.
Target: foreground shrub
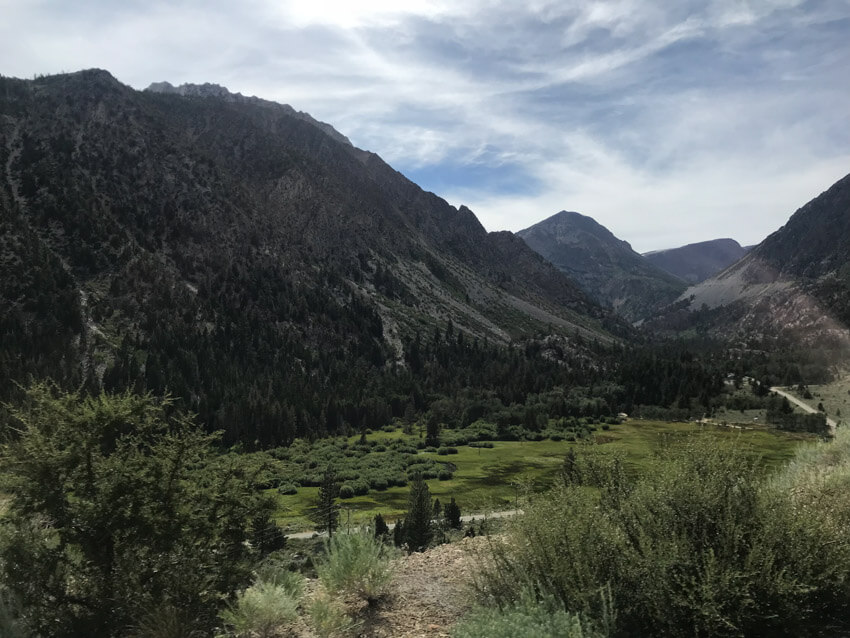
(526, 619)
(329, 618)
(118, 505)
(356, 564)
(263, 608)
(701, 545)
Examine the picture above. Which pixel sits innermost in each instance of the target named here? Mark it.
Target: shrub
(261, 609)
(527, 619)
(700, 545)
(141, 509)
(379, 483)
(164, 621)
(287, 489)
(346, 491)
(355, 564)
(10, 624)
(443, 451)
(444, 475)
(329, 619)
(360, 487)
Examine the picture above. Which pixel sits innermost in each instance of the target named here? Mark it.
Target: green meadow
(497, 478)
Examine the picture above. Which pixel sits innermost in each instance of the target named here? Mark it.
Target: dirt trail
(805, 406)
(466, 519)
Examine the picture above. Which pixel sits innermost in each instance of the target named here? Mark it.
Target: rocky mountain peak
(216, 91)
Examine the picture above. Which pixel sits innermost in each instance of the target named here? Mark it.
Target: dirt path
(466, 519)
(430, 592)
(805, 406)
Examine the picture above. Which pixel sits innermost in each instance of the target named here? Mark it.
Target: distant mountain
(247, 258)
(697, 262)
(794, 286)
(604, 266)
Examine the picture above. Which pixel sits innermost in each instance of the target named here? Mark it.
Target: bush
(346, 491)
(261, 609)
(699, 545)
(443, 451)
(287, 489)
(141, 509)
(329, 618)
(444, 475)
(527, 619)
(356, 564)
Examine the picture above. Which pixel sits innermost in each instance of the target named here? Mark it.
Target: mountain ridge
(606, 267)
(243, 258)
(698, 261)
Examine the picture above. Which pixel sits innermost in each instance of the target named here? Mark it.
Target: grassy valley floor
(499, 478)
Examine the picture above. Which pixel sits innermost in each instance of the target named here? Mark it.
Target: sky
(667, 122)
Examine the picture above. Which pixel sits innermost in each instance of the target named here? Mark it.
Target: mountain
(604, 266)
(794, 286)
(697, 262)
(250, 260)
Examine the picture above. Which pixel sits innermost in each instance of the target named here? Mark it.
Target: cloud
(668, 122)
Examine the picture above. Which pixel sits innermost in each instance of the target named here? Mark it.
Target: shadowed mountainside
(697, 262)
(237, 253)
(604, 266)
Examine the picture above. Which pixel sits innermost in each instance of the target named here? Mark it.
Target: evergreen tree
(570, 471)
(432, 432)
(452, 514)
(141, 510)
(438, 508)
(381, 527)
(326, 514)
(419, 529)
(399, 533)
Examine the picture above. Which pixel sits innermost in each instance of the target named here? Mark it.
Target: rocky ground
(430, 592)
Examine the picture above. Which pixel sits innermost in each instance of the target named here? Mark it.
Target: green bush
(329, 618)
(346, 491)
(118, 505)
(262, 609)
(700, 545)
(527, 619)
(287, 489)
(10, 624)
(356, 564)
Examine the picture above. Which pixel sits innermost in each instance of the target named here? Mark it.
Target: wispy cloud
(668, 122)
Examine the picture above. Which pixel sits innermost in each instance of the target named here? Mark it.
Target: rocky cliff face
(794, 286)
(604, 266)
(219, 92)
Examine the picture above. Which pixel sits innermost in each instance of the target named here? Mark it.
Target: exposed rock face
(604, 266)
(794, 286)
(697, 262)
(219, 92)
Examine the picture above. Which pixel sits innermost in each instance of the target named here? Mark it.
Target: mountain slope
(606, 267)
(697, 262)
(240, 255)
(795, 285)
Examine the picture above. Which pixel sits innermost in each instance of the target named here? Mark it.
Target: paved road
(805, 406)
(467, 518)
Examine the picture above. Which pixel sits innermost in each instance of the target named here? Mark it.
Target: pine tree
(452, 514)
(438, 508)
(419, 529)
(399, 533)
(326, 514)
(381, 527)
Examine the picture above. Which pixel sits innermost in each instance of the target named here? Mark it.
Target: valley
(506, 474)
(223, 323)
